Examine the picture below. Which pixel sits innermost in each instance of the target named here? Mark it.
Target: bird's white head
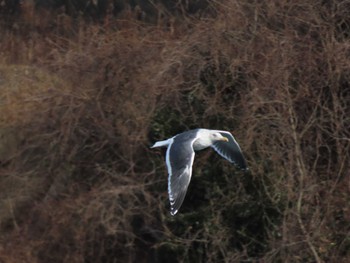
(216, 136)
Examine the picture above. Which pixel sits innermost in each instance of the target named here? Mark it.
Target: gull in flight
(180, 155)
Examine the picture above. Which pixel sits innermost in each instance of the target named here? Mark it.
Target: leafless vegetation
(81, 102)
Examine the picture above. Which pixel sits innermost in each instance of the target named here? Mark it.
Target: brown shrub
(81, 185)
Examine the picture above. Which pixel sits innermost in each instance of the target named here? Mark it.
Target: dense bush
(82, 102)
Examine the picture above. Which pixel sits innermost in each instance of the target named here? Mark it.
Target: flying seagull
(180, 156)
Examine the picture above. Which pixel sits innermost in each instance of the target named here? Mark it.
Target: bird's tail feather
(161, 144)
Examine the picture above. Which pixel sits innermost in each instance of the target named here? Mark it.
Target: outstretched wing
(230, 150)
(179, 159)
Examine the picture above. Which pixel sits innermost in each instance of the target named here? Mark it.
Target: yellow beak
(224, 139)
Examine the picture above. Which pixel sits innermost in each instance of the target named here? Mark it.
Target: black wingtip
(173, 211)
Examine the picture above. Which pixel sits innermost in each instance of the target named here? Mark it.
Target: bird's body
(180, 155)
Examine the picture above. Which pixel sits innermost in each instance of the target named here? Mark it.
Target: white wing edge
(167, 160)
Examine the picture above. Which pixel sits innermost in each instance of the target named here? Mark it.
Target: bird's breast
(201, 143)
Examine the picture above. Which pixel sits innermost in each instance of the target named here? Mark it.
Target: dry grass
(82, 102)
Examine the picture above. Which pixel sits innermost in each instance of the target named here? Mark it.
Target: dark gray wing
(230, 150)
(179, 159)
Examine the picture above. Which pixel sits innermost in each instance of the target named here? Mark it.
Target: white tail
(161, 144)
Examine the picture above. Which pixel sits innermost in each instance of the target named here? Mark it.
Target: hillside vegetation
(83, 99)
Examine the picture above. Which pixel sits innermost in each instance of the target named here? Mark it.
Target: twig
(301, 170)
